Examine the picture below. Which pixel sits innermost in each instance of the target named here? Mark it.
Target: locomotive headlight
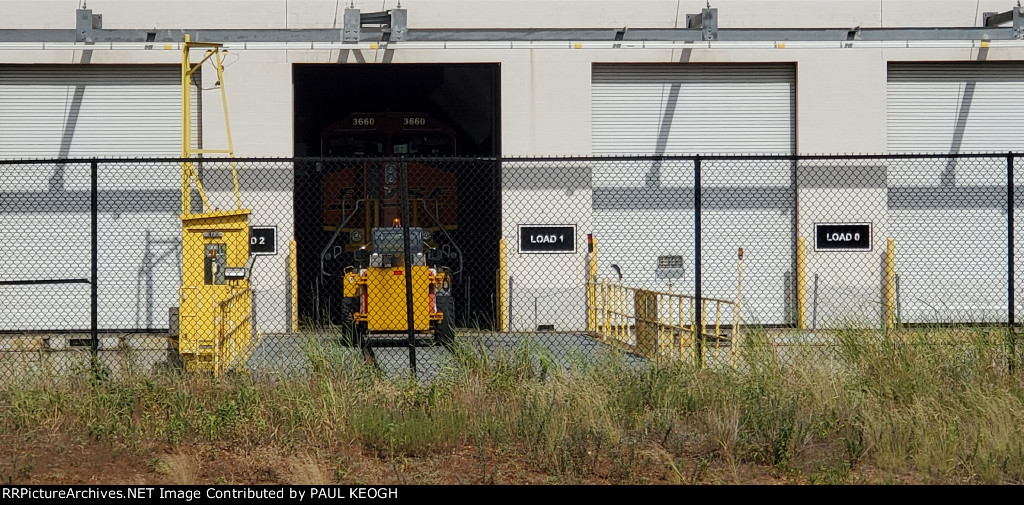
(356, 236)
(390, 174)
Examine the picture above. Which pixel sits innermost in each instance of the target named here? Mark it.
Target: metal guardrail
(658, 324)
(234, 330)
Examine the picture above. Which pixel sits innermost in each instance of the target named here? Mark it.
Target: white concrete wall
(545, 94)
(545, 107)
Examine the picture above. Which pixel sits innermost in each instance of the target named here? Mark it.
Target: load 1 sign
(842, 237)
(547, 239)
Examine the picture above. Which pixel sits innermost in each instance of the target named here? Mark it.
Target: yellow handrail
(662, 328)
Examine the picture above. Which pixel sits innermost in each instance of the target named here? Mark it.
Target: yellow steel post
(890, 285)
(591, 283)
(735, 343)
(186, 129)
(620, 314)
(677, 344)
(293, 272)
(604, 308)
(188, 169)
(659, 301)
(615, 313)
(227, 124)
(609, 303)
(718, 328)
(801, 289)
(693, 329)
(703, 333)
(503, 285)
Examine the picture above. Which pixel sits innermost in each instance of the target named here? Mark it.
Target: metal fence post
(699, 327)
(94, 260)
(403, 170)
(1010, 302)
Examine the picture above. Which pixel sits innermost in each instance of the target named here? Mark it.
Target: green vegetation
(931, 406)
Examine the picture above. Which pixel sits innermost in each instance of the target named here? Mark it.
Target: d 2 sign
(263, 240)
(539, 239)
(842, 237)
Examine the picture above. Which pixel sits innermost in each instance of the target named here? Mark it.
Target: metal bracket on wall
(85, 23)
(392, 22)
(994, 19)
(706, 21)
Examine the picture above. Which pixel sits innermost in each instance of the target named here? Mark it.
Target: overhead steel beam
(509, 34)
(89, 30)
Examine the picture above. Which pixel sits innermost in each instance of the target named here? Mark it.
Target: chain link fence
(417, 266)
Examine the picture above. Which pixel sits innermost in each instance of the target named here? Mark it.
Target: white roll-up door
(76, 111)
(955, 107)
(947, 216)
(645, 211)
(693, 109)
(84, 111)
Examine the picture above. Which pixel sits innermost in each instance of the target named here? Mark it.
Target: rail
(659, 324)
(234, 331)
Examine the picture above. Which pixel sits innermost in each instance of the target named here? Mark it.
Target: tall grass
(937, 404)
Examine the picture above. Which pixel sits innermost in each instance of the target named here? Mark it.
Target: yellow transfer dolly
(215, 330)
(377, 290)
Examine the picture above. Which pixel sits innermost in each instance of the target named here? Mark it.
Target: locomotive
(361, 199)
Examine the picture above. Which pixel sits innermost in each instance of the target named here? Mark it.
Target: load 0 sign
(547, 239)
(842, 237)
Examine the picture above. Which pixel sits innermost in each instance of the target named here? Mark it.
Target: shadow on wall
(139, 237)
(156, 253)
(254, 177)
(528, 175)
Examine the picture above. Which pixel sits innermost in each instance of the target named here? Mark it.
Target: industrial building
(520, 80)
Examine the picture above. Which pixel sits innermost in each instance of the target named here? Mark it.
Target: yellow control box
(215, 301)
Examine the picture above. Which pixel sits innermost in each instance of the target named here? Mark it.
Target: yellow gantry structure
(215, 324)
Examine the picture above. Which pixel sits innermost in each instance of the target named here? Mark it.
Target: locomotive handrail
(334, 236)
(437, 221)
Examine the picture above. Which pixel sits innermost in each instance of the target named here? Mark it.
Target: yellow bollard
(293, 272)
(502, 285)
(734, 345)
(890, 285)
(693, 329)
(591, 283)
(801, 288)
(605, 315)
